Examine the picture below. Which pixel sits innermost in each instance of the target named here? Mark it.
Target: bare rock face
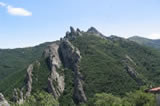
(29, 80)
(55, 80)
(71, 57)
(3, 101)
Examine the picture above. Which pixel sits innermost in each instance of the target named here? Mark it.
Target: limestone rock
(130, 67)
(73, 34)
(3, 101)
(55, 80)
(71, 58)
(18, 96)
(29, 80)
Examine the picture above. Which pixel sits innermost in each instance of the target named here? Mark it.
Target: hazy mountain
(147, 42)
(77, 67)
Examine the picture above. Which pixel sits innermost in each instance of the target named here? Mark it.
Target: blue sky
(30, 22)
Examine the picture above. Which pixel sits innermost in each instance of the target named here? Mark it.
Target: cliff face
(55, 80)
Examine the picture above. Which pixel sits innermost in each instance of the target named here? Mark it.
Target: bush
(40, 99)
(137, 98)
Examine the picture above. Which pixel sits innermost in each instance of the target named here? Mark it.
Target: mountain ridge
(82, 64)
(155, 43)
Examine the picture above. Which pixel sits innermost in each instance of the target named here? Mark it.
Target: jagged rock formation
(3, 101)
(71, 57)
(55, 80)
(73, 34)
(29, 80)
(18, 95)
(130, 68)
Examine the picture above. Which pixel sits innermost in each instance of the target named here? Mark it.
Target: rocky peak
(73, 33)
(94, 31)
(72, 30)
(115, 38)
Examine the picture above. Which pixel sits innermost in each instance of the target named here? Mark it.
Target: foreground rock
(3, 101)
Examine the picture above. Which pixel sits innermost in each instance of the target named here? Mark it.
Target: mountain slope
(14, 62)
(145, 41)
(83, 64)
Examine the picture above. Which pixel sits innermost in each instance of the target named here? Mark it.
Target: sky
(25, 23)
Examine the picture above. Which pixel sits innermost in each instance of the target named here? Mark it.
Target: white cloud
(2, 4)
(18, 11)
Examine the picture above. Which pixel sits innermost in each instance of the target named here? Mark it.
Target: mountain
(145, 41)
(77, 68)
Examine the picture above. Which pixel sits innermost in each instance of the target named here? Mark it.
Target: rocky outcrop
(73, 34)
(3, 101)
(55, 80)
(71, 57)
(18, 96)
(130, 60)
(29, 80)
(130, 67)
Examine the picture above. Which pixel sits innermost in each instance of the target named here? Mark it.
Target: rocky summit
(82, 68)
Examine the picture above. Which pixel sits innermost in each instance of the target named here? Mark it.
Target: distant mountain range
(74, 69)
(145, 41)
